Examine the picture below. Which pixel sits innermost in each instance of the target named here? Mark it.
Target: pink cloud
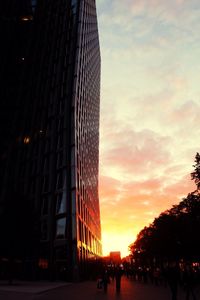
(135, 151)
(149, 128)
(127, 208)
(174, 6)
(187, 111)
(181, 187)
(150, 185)
(109, 188)
(135, 201)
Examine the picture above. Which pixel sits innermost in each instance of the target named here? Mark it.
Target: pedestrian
(105, 280)
(118, 274)
(99, 283)
(156, 276)
(189, 282)
(173, 276)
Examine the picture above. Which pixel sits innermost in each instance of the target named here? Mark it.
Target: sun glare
(116, 242)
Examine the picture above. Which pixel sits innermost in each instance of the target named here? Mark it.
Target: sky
(150, 107)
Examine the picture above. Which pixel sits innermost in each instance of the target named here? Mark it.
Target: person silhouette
(118, 274)
(105, 280)
(173, 276)
(189, 282)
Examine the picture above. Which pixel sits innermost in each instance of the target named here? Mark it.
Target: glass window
(60, 124)
(73, 202)
(59, 159)
(90, 243)
(79, 205)
(46, 165)
(33, 2)
(86, 238)
(33, 186)
(45, 183)
(74, 228)
(47, 145)
(59, 183)
(61, 253)
(73, 181)
(45, 205)
(44, 230)
(61, 107)
(79, 230)
(60, 141)
(33, 167)
(60, 228)
(61, 203)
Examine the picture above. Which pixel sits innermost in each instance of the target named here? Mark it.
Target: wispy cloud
(149, 108)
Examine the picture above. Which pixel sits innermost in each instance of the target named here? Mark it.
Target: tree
(175, 233)
(172, 235)
(196, 174)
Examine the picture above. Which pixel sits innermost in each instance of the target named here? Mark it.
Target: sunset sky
(150, 108)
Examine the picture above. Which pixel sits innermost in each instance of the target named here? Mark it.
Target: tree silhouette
(174, 234)
(196, 174)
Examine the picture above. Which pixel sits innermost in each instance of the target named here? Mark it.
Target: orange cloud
(133, 151)
(127, 207)
(149, 111)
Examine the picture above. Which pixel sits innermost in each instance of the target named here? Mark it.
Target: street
(88, 290)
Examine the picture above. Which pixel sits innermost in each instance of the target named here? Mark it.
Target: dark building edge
(25, 142)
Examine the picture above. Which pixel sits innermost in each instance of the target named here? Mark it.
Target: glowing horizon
(149, 132)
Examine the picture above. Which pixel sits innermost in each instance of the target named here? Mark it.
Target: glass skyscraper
(49, 109)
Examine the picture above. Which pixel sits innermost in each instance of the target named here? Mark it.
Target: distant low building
(127, 259)
(115, 257)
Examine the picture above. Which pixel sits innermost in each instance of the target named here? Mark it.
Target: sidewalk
(27, 289)
(130, 290)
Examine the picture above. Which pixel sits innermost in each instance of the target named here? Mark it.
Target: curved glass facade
(53, 156)
(86, 129)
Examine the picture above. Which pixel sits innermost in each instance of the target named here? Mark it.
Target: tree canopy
(174, 234)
